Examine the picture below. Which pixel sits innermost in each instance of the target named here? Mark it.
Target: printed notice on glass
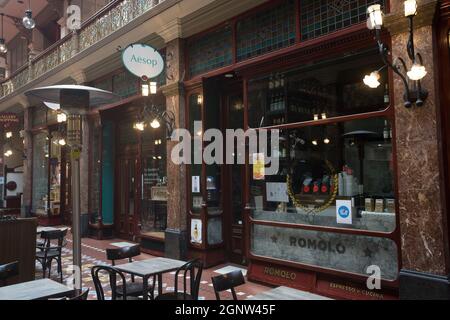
(196, 231)
(195, 184)
(277, 192)
(258, 166)
(344, 211)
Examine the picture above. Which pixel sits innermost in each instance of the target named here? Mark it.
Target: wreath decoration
(322, 207)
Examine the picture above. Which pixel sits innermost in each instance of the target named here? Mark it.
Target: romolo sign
(143, 60)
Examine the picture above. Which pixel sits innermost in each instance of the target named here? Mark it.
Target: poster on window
(196, 231)
(258, 166)
(277, 192)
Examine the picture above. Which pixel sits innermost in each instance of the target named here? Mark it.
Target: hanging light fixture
(27, 20)
(62, 142)
(145, 89)
(414, 94)
(3, 48)
(8, 134)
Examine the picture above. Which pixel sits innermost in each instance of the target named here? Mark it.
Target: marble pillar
(27, 163)
(176, 243)
(424, 271)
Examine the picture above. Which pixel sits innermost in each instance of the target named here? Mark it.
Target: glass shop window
(324, 168)
(154, 181)
(55, 173)
(317, 91)
(195, 115)
(40, 174)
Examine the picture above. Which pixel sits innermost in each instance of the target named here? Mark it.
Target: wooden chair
(228, 281)
(49, 252)
(7, 271)
(134, 289)
(194, 270)
(113, 274)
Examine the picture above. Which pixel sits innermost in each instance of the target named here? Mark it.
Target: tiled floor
(93, 253)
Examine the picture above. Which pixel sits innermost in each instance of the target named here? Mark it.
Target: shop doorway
(126, 196)
(229, 109)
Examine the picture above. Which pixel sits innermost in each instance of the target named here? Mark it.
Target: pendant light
(3, 48)
(27, 20)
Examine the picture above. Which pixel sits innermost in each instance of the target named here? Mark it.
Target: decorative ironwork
(111, 21)
(211, 51)
(266, 31)
(320, 17)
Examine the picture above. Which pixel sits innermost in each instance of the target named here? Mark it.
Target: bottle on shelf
(386, 130)
(386, 95)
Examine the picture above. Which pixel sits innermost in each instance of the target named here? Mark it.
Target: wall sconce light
(200, 99)
(61, 117)
(145, 90)
(324, 115)
(8, 135)
(62, 142)
(316, 117)
(139, 125)
(314, 142)
(326, 141)
(414, 94)
(156, 116)
(155, 124)
(153, 87)
(372, 80)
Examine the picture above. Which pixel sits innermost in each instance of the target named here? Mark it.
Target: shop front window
(331, 203)
(55, 174)
(316, 92)
(40, 173)
(154, 182)
(321, 165)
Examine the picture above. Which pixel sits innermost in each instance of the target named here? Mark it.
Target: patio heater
(76, 101)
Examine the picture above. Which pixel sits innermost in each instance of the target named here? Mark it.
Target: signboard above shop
(143, 61)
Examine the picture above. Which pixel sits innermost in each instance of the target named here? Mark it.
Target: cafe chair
(228, 281)
(134, 288)
(114, 275)
(192, 269)
(8, 271)
(49, 252)
(76, 295)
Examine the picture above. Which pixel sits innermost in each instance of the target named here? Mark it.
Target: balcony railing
(111, 18)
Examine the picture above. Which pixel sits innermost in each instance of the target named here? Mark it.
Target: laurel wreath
(316, 209)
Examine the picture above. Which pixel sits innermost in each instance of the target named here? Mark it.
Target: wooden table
(148, 268)
(286, 293)
(34, 290)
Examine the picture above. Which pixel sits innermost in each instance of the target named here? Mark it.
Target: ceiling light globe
(28, 21)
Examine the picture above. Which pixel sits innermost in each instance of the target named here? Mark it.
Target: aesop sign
(345, 252)
(143, 60)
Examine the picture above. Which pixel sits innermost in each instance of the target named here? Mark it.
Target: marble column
(176, 243)
(424, 250)
(27, 163)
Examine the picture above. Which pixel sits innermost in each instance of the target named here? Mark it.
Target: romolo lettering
(313, 244)
(143, 60)
(280, 273)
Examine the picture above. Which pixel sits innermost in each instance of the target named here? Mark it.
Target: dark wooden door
(234, 179)
(126, 197)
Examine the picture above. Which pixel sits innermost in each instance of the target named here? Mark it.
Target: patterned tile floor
(93, 253)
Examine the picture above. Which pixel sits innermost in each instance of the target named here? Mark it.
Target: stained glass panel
(320, 17)
(266, 31)
(211, 51)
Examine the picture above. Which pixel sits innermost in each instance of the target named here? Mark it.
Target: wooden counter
(18, 243)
